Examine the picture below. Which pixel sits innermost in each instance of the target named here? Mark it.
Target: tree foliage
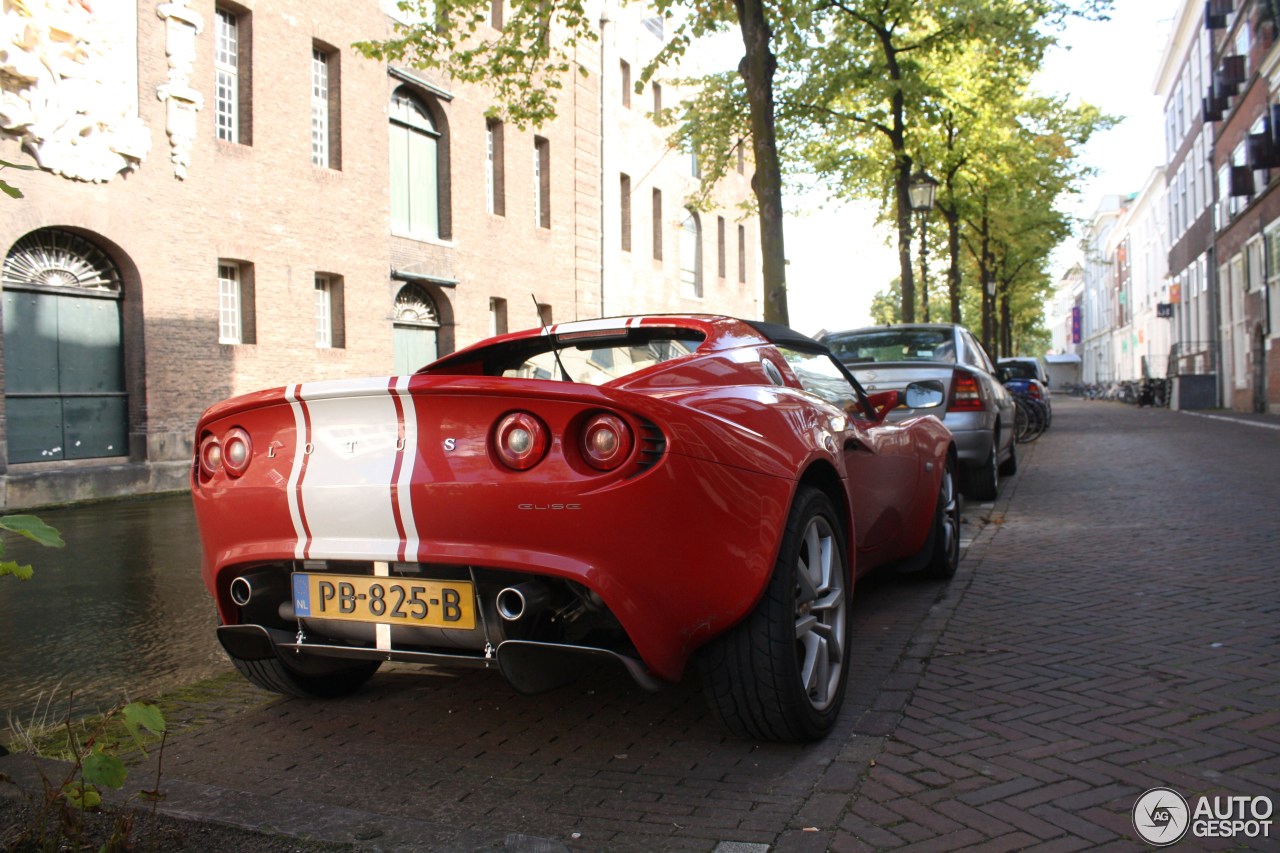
(524, 61)
(944, 85)
(858, 92)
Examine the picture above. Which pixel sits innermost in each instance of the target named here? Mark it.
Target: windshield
(592, 357)
(894, 344)
(821, 376)
(598, 363)
(1019, 370)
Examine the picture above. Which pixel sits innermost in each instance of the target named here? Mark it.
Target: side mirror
(926, 394)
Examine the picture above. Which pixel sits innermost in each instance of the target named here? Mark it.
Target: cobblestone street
(1113, 628)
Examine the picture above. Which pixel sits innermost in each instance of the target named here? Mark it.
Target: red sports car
(644, 490)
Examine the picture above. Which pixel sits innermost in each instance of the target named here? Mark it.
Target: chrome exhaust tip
(518, 602)
(246, 588)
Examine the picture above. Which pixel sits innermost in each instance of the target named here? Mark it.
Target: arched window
(691, 256)
(63, 350)
(417, 322)
(415, 168)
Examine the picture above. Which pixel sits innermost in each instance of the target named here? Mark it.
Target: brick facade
(262, 203)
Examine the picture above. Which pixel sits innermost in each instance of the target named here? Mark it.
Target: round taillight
(606, 442)
(521, 440)
(210, 455)
(236, 451)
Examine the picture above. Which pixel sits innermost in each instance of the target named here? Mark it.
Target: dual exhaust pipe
(522, 601)
(513, 603)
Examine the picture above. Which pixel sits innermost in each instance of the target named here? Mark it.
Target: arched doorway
(63, 354)
(415, 329)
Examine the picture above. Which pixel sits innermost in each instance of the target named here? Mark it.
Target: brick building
(1241, 101)
(1220, 76)
(229, 197)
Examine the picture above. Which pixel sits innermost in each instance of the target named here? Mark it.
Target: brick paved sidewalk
(1117, 632)
(1113, 627)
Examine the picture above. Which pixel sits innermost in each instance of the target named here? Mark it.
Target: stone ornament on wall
(68, 86)
(182, 102)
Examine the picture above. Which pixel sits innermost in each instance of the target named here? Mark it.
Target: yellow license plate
(394, 601)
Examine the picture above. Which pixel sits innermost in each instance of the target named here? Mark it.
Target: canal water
(119, 614)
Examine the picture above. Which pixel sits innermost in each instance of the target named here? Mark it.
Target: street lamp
(921, 191)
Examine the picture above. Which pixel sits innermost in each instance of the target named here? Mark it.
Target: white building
(1097, 305)
(1141, 339)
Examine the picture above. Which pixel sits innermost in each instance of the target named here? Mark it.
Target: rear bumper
(974, 434)
(678, 554)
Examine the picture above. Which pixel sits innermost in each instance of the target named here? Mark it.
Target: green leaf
(32, 528)
(100, 768)
(9, 567)
(10, 190)
(141, 714)
(81, 795)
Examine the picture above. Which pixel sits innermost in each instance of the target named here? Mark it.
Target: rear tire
(322, 679)
(1009, 467)
(780, 674)
(982, 482)
(944, 540)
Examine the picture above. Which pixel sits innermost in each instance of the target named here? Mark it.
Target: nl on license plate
(395, 601)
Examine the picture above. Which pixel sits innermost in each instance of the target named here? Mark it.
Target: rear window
(891, 344)
(1019, 370)
(590, 360)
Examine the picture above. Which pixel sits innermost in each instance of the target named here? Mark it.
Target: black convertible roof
(776, 333)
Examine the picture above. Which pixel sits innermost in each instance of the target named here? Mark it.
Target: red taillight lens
(236, 451)
(1033, 391)
(521, 440)
(966, 393)
(210, 455)
(606, 442)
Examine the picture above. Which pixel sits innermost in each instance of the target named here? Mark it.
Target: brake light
(521, 440)
(232, 453)
(236, 451)
(1033, 391)
(210, 455)
(606, 442)
(966, 393)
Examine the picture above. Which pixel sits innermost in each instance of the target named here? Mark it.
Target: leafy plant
(7, 188)
(96, 764)
(32, 528)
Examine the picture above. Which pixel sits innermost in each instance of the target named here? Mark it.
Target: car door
(880, 465)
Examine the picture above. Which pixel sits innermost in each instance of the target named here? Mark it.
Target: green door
(415, 346)
(63, 357)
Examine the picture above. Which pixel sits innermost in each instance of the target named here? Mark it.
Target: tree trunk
(757, 69)
(902, 183)
(953, 271)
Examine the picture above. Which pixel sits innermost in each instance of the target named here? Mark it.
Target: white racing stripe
(340, 486)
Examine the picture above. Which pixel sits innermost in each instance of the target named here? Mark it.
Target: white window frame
(1254, 265)
(230, 324)
(324, 311)
(226, 74)
(537, 185)
(490, 178)
(319, 108)
(691, 278)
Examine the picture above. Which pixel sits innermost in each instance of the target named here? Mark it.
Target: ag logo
(1161, 817)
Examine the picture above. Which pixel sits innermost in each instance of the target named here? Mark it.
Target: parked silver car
(979, 409)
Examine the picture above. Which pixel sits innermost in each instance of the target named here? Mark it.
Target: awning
(414, 79)
(423, 278)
